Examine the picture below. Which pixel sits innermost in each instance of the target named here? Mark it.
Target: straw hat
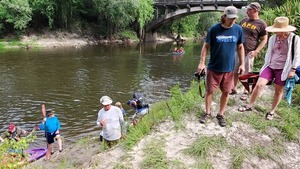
(281, 24)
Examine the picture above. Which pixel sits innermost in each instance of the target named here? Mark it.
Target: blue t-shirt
(223, 43)
(51, 125)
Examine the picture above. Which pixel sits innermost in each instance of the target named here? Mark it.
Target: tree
(15, 12)
(145, 14)
(117, 14)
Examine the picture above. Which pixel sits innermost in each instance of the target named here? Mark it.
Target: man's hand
(241, 69)
(102, 122)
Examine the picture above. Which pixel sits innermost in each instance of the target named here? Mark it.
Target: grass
(156, 156)
(174, 108)
(238, 156)
(204, 146)
(287, 122)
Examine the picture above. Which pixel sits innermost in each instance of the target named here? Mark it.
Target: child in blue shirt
(51, 125)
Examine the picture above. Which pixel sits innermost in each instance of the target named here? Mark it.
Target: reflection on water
(71, 81)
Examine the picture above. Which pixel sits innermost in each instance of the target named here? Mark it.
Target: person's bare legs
(208, 101)
(261, 83)
(277, 97)
(49, 151)
(223, 102)
(59, 142)
(235, 81)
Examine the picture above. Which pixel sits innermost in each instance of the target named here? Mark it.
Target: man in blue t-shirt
(223, 39)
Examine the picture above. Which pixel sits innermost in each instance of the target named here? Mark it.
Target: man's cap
(231, 12)
(254, 5)
(11, 127)
(105, 100)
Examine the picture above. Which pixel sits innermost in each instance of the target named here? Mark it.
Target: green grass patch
(200, 148)
(178, 104)
(204, 145)
(238, 156)
(155, 156)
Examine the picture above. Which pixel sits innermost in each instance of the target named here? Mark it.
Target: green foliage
(44, 8)
(290, 9)
(11, 152)
(128, 34)
(144, 12)
(117, 14)
(186, 26)
(206, 20)
(16, 12)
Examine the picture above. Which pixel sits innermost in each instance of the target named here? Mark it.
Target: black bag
(298, 74)
(293, 51)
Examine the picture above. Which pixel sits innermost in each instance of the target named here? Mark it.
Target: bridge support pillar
(151, 36)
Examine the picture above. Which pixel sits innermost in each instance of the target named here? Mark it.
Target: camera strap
(200, 89)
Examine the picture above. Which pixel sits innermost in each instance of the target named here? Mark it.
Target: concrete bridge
(176, 9)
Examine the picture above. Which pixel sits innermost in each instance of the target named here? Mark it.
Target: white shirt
(114, 120)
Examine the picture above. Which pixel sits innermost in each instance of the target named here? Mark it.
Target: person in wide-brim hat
(281, 24)
(281, 60)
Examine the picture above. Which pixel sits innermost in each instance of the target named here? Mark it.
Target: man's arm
(241, 54)
(203, 54)
(262, 43)
(24, 132)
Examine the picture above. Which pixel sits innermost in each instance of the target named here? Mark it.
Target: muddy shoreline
(65, 39)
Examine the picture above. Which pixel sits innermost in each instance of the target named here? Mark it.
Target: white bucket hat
(281, 24)
(105, 100)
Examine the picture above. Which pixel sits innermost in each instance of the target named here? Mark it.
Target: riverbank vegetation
(106, 19)
(12, 153)
(170, 136)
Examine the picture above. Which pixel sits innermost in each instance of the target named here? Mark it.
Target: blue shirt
(223, 43)
(51, 125)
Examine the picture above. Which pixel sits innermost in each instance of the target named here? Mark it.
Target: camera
(201, 75)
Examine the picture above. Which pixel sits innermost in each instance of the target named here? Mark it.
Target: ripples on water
(71, 82)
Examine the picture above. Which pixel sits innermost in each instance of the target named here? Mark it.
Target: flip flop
(244, 108)
(269, 116)
(244, 97)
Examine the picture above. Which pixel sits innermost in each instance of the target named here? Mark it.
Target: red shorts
(214, 80)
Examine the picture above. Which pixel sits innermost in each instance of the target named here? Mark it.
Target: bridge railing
(191, 3)
(194, 1)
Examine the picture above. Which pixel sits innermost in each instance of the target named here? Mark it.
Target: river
(71, 81)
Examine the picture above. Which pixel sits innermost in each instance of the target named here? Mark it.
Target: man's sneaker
(221, 120)
(204, 118)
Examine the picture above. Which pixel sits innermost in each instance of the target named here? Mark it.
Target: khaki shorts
(248, 63)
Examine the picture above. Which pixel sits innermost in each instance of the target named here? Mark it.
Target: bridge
(176, 9)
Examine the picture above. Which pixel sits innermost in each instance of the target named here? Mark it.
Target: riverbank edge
(64, 39)
(181, 107)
